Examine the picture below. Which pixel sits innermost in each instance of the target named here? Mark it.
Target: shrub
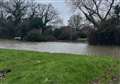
(62, 34)
(37, 36)
(50, 38)
(92, 38)
(75, 35)
(57, 33)
(82, 35)
(34, 36)
(101, 38)
(107, 34)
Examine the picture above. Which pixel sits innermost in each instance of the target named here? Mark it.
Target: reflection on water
(62, 47)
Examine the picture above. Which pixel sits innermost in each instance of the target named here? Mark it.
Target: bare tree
(33, 9)
(16, 9)
(45, 13)
(3, 13)
(96, 11)
(75, 21)
(22, 16)
(117, 11)
(48, 14)
(13, 12)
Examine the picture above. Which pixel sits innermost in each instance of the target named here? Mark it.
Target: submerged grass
(44, 68)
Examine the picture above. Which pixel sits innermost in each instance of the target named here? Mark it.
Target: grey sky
(61, 7)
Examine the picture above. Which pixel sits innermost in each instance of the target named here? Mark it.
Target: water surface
(62, 47)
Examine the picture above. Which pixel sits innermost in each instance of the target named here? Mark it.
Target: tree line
(34, 21)
(18, 17)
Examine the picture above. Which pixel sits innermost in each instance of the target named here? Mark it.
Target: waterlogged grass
(45, 68)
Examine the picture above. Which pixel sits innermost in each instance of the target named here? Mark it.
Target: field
(29, 67)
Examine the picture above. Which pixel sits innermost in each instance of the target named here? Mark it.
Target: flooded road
(62, 47)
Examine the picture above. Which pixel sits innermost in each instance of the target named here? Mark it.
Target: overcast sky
(64, 11)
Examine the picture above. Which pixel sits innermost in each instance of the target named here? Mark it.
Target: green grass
(45, 68)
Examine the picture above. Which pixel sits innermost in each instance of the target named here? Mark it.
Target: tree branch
(97, 9)
(111, 5)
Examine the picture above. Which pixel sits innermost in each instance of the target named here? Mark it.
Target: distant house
(72, 32)
(68, 29)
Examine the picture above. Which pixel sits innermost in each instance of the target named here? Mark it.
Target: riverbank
(44, 68)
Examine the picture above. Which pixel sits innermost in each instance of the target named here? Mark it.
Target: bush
(50, 38)
(75, 36)
(117, 36)
(82, 35)
(102, 38)
(107, 34)
(37, 36)
(92, 38)
(62, 34)
(57, 33)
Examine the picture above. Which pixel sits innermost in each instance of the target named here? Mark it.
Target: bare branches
(94, 10)
(97, 8)
(75, 21)
(111, 5)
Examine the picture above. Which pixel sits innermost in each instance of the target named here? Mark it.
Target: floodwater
(62, 47)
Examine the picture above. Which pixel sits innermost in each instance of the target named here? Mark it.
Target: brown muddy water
(62, 47)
